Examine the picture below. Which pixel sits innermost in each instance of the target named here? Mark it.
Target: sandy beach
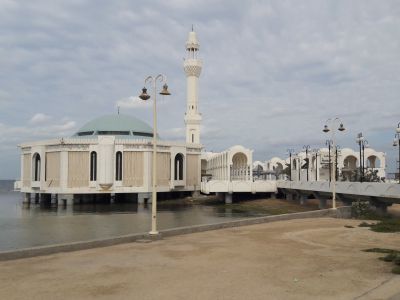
(298, 259)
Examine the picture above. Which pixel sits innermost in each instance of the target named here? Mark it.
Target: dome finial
(192, 27)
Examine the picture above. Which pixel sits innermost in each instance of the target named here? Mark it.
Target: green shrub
(396, 270)
(360, 209)
(397, 260)
(379, 250)
(365, 224)
(390, 257)
(387, 225)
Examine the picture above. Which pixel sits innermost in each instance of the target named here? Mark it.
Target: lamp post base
(154, 233)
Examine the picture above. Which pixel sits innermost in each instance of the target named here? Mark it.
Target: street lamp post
(329, 144)
(334, 123)
(144, 96)
(358, 140)
(364, 145)
(307, 147)
(290, 151)
(316, 164)
(396, 142)
(362, 142)
(336, 162)
(299, 167)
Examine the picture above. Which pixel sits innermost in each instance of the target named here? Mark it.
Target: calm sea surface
(27, 226)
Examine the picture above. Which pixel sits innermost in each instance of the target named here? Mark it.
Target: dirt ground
(394, 210)
(299, 259)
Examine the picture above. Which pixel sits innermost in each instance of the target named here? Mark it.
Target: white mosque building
(112, 155)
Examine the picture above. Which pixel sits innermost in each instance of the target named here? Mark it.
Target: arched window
(178, 174)
(373, 162)
(239, 168)
(118, 166)
(350, 163)
(93, 166)
(36, 167)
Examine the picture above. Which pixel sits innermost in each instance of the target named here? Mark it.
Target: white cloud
(39, 118)
(65, 127)
(133, 102)
(173, 134)
(10, 135)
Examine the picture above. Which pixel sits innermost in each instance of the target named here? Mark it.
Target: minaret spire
(192, 66)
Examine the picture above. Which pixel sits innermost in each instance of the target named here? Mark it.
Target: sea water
(23, 226)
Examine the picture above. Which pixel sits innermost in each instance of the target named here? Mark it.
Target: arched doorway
(349, 168)
(178, 167)
(258, 171)
(36, 167)
(350, 163)
(278, 169)
(373, 162)
(203, 167)
(239, 170)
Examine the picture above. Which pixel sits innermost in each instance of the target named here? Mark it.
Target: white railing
(375, 189)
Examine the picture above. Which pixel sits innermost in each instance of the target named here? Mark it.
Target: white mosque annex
(112, 156)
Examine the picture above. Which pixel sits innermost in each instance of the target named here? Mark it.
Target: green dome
(118, 125)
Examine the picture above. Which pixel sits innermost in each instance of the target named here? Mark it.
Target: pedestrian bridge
(383, 192)
(238, 186)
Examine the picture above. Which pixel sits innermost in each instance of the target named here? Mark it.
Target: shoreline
(341, 212)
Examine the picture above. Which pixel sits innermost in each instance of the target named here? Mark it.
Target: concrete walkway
(298, 259)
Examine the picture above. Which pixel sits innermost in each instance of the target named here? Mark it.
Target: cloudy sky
(273, 71)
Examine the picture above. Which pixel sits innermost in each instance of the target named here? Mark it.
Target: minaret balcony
(193, 118)
(192, 67)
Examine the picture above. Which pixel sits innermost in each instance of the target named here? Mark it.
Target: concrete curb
(342, 212)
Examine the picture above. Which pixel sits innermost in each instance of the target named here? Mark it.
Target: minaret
(192, 67)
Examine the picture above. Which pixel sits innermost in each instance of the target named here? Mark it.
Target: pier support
(322, 203)
(53, 200)
(302, 199)
(45, 199)
(380, 207)
(27, 198)
(289, 196)
(195, 194)
(228, 198)
(67, 198)
(381, 210)
(144, 198)
(220, 196)
(61, 201)
(35, 198)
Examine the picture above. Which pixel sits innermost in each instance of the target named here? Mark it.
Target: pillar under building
(228, 198)
(68, 199)
(27, 198)
(144, 198)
